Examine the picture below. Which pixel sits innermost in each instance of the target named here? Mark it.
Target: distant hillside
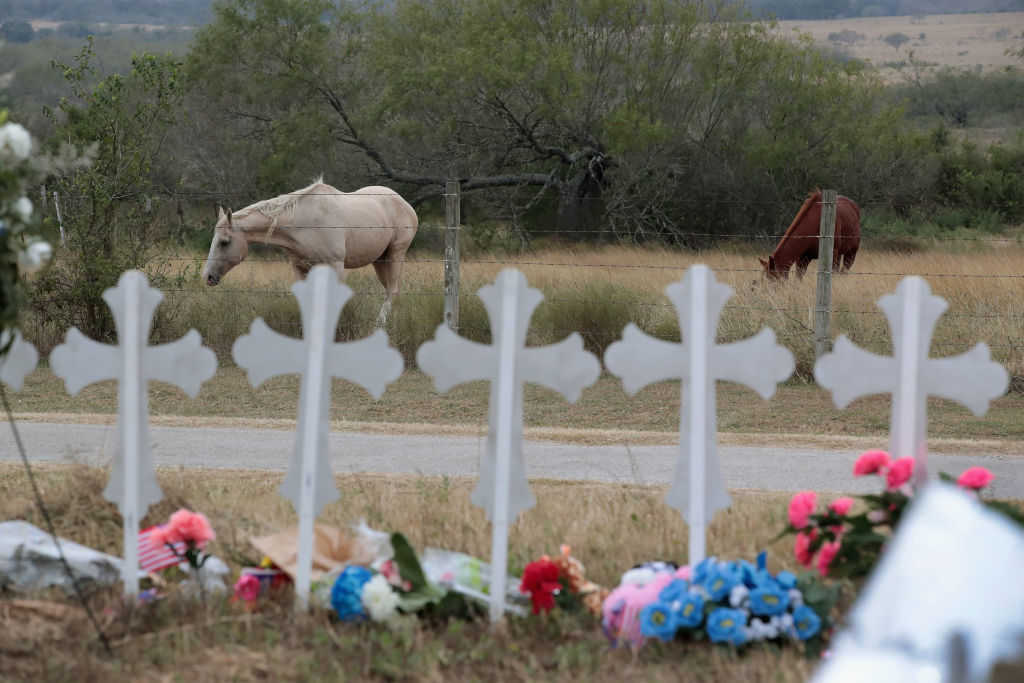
(843, 9)
(166, 12)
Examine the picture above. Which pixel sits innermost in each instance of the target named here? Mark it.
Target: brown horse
(800, 243)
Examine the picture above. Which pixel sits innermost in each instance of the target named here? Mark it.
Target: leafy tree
(654, 119)
(106, 207)
(17, 31)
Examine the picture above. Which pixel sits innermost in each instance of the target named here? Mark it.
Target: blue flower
(764, 579)
(762, 560)
(703, 568)
(806, 622)
(347, 593)
(720, 582)
(748, 573)
(727, 625)
(676, 590)
(691, 611)
(657, 620)
(767, 602)
(786, 579)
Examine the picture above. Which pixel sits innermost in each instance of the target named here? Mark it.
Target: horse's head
(228, 248)
(771, 271)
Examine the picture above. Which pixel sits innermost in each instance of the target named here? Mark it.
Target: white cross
(20, 359)
(698, 490)
(971, 379)
(369, 362)
(502, 489)
(80, 361)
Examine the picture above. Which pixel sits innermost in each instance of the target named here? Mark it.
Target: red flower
(975, 478)
(841, 506)
(540, 580)
(870, 462)
(899, 473)
(801, 507)
(828, 553)
(802, 547)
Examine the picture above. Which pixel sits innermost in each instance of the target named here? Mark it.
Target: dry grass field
(595, 291)
(970, 41)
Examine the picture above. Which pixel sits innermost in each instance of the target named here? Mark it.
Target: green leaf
(408, 564)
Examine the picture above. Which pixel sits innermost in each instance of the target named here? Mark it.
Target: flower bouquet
(847, 545)
(561, 580)
(399, 586)
(732, 603)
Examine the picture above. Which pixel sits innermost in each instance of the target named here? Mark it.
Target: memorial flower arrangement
(399, 586)
(840, 544)
(561, 581)
(732, 603)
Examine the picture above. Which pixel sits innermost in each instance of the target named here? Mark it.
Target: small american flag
(153, 557)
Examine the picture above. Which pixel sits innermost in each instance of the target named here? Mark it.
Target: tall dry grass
(597, 291)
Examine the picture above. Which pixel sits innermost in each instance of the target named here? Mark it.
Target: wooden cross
(80, 361)
(502, 490)
(698, 490)
(20, 359)
(369, 362)
(971, 379)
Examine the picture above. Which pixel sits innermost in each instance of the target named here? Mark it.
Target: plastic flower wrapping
(732, 603)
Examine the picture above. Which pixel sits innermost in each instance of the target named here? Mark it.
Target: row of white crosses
(698, 489)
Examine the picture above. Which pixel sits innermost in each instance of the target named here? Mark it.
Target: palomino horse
(320, 224)
(800, 243)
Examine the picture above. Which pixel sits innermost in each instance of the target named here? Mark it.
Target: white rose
(15, 141)
(23, 209)
(380, 601)
(35, 256)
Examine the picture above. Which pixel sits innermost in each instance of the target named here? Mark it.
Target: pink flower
(684, 572)
(841, 506)
(802, 547)
(621, 609)
(899, 472)
(827, 554)
(975, 478)
(870, 462)
(801, 507)
(185, 525)
(247, 588)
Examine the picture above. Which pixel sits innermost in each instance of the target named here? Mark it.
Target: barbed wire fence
(816, 330)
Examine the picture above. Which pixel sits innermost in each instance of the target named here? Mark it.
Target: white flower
(35, 256)
(23, 209)
(738, 595)
(15, 141)
(786, 624)
(378, 598)
(796, 598)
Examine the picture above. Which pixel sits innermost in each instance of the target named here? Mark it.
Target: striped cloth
(153, 557)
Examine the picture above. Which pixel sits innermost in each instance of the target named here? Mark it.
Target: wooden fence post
(452, 206)
(60, 221)
(823, 301)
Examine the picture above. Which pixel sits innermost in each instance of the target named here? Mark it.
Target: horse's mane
(804, 208)
(275, 206)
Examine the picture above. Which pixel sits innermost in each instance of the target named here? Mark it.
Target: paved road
(747, 467)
